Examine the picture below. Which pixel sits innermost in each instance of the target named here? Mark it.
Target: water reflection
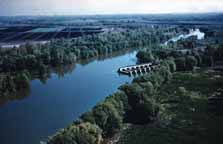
(13, 87)
(61, 70)
(107, 56)
(11, 90)
(58, 96)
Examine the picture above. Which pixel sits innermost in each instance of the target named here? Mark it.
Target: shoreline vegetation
(106, 118)
(36, 61)
(67, 51)
(170, 102)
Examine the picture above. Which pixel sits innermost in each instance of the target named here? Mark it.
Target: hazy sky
(74, 7)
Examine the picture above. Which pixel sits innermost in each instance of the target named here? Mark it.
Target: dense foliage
(143, 102)
(83, 133)
(14, 87)
(185, 116)
(66, 51)
(186, 60)
(134, 103)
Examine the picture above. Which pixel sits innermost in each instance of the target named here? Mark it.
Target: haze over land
(80, 7)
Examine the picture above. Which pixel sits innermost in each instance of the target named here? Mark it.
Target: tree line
(67, 51)
(186, 60)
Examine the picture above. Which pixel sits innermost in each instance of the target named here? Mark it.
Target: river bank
(66, 93)
(171, 102)
(107, 117)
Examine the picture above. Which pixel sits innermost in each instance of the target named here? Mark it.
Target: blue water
(60, 101)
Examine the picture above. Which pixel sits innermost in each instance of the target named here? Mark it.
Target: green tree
(83, 133)
(191, 62)
(180, 63)
(107, 117)
(22, 80)
(145, 56)
(148, 88)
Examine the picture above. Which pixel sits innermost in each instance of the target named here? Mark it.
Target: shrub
(83, 133)
(191, 62)
(180, 63)
(145, 56)
(107, 117)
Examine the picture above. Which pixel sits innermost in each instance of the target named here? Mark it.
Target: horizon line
(109, 14)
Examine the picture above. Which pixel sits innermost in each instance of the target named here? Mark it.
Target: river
(61, 100)
(200, 35)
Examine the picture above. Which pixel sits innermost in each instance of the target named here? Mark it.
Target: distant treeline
(186, 59)
(66, 51)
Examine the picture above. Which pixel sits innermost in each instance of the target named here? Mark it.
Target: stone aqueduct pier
(138, 69)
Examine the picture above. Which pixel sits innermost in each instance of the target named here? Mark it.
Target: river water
(62, 99)
(200, 35)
